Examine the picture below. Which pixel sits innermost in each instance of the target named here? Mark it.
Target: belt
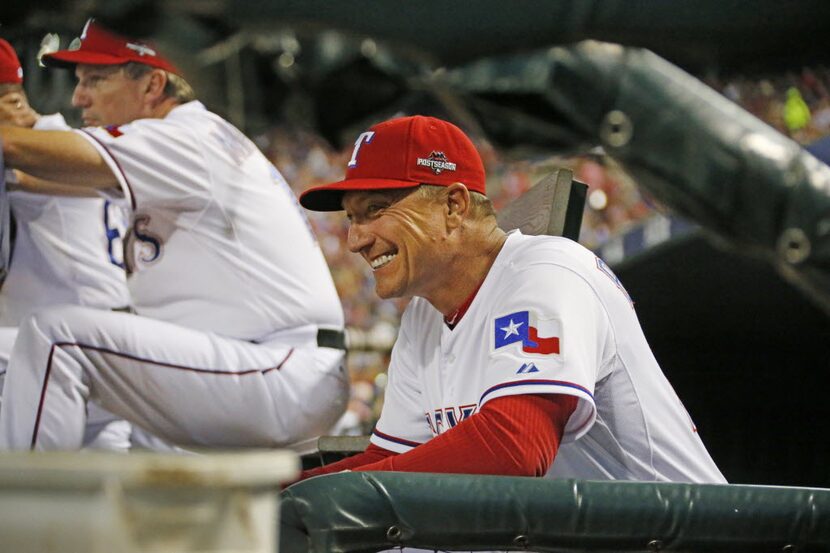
(327, 338)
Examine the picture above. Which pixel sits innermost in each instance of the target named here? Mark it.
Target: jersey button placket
(449, 373)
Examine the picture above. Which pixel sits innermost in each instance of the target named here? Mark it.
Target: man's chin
(386, 292)
(382, 294)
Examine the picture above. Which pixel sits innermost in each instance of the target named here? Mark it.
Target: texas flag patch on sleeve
(535, 334)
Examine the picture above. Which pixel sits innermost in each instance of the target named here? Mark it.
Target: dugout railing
(364, 512)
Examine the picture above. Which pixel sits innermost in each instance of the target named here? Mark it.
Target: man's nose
(358, 237)
(79, 98)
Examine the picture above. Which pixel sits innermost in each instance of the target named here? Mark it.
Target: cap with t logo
(98, 46)
(403, 153)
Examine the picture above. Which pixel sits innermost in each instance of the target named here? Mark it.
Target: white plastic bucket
(65, 502)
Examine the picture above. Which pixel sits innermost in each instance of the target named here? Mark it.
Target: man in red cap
(237, 319)
(518, 355)
(14, 106)
(63, 250)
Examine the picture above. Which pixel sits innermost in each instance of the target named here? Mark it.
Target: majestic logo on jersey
(113, 130)
(437, 161)
(520, 327)
(527, 368)
(444, 419)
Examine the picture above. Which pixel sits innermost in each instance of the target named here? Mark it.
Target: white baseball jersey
(66, 250)
(218, 241)
(550, 318)
(231, 291)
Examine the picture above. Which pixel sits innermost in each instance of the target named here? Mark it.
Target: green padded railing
(351, 512)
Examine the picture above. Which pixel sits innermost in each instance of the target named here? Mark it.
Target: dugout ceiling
(695, 35)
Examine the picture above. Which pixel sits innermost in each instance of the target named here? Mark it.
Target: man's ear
(458, 204)
(155, 85)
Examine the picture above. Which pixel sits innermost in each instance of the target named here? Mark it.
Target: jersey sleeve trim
(551, 383)
(112, 163)
(580, 421)
(392, 443)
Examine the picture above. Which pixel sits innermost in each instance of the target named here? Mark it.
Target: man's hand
(16, 111)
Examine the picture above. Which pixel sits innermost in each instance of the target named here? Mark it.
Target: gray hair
(481, 206)
(176, 87)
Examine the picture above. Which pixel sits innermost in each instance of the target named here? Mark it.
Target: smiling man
(237, 320)
(518, 355)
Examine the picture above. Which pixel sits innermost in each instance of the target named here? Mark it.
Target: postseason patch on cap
(437, 161)
(141, 49)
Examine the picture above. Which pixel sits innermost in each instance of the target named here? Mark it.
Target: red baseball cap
(403, 153)
(10, 69)
(99, 46)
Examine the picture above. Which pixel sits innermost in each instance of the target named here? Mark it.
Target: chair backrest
(553, 206)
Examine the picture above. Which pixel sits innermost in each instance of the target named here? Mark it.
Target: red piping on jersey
(141, 360)
(112, 157)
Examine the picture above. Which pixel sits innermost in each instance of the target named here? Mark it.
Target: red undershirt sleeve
(372, 454)
(511, 436)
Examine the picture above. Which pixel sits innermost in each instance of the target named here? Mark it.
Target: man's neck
(468, 270)
(163, 108)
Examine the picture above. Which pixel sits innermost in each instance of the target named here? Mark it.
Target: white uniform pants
(7, 336)
(103, 430)
(189, 387)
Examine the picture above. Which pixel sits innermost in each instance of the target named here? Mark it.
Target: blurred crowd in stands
(796, 104)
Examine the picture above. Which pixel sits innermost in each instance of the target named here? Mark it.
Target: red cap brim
(71, 58)
(329, 197)
(68, 59)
